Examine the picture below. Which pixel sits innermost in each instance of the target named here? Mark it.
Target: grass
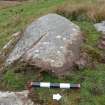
(92, 80)
(13, 19)
(92, 90)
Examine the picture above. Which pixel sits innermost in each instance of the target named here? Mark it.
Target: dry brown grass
(92, 11)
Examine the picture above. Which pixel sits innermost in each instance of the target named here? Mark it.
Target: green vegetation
(13, 19)
(92, 92)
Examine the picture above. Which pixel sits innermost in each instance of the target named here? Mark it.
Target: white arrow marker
(57, 97)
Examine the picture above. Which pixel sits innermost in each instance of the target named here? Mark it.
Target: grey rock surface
(51, 42)
(100, 27)
(15, 98)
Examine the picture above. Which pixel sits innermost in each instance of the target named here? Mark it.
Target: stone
(100, 27)
(51, 43)
(15, 98)
(10, 45)
(6, 50)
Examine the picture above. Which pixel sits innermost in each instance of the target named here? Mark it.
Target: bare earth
(5, 4)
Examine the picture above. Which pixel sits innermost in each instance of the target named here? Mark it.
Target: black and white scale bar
(54, 85)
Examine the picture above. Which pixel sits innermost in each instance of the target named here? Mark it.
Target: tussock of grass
(94, 53)
(91, 11)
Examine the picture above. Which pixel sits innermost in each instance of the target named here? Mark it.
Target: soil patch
(5, 4)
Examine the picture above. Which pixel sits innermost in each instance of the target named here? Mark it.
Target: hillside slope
(92, 79)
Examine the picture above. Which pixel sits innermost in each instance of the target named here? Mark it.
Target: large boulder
(51, 43)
